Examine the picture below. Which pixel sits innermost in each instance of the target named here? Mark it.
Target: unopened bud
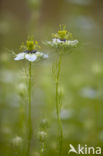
(42, 136)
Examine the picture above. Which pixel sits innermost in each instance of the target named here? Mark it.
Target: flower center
(63, 40)
(30, 52)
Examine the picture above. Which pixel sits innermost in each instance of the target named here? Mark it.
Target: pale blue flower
(30, 56)
(88, 92)
(62, 43)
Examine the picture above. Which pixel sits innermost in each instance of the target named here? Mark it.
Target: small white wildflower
(30, 52)
(16, 141)
(62, 39)
(30, 56)
(42, 136)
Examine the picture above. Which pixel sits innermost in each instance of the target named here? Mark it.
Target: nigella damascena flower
(30, 52)
(62, 39)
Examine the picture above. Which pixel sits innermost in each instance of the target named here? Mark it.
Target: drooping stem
(29, 112)
(58, 105)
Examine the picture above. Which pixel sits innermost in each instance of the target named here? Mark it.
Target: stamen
(27, 51)
(63, 40)
(33, 51)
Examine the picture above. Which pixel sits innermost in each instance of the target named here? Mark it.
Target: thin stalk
(29, 111)
(58, 106)
(43, 149)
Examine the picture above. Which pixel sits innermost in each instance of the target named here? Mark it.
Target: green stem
(58, 106)
(29, 112)
(43, 149)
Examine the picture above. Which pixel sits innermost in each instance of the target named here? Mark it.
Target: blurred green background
(81, 82)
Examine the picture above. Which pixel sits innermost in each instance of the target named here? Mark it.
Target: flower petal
(19, 56)
(55, 40)
(45, 56)
(41, 55)
(73, 43)
(31, 57)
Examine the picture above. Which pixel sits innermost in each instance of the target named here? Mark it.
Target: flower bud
(42, 136)
(61, 91)
(44, 124)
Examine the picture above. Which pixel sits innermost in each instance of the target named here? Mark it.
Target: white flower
(30, 56)
(62, 43)
(17, 141)
(42, 136)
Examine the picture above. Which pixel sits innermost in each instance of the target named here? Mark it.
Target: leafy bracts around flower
(62, 39)
(62, 33)
(30, 52)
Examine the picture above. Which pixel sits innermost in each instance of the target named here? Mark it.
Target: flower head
(42, 135)
(62, 39)
(30, 52)
(17, 141)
